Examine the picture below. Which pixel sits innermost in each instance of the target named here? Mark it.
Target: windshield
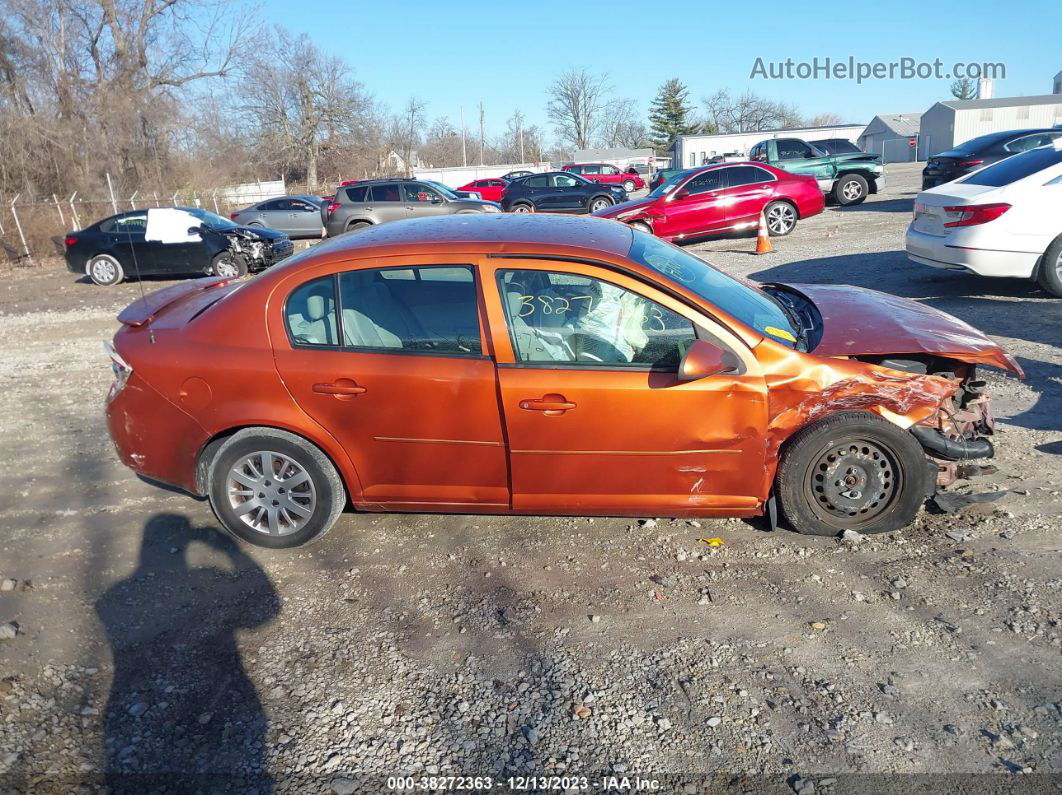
(751, 306)
(667, 185)
(445, 191)
(210, 220)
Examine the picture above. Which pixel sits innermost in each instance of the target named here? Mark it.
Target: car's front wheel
(642, 226)
(599, 203)
(274, 489)
(781, 218)
(850, 189)
(628, 186)
(229, 265)
(852, 471)
(1049, 276)
(104, 270)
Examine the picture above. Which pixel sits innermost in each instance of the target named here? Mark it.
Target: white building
(949, 123)
(890, 135)
(1058, 84)
(694, 150)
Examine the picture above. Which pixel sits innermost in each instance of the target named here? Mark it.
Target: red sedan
(489, 189)
(725, 197)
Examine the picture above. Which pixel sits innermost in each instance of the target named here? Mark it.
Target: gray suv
(377, 201)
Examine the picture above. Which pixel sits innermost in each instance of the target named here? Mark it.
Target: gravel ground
(147, 648)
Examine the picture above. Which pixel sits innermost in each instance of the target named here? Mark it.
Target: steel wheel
(852, 483)
(599, 204)
(271, 493)
(781, 218)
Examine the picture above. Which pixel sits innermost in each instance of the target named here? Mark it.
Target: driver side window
(790, 149)
(566, 318)
(564, 181)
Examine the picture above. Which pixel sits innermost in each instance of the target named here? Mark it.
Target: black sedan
(559, 192)
(981, 151)
(115, 248)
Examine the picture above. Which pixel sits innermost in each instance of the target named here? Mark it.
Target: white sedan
(1003, 220)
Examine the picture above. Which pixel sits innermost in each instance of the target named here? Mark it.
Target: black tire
(781, 217)
(598, 203)
(329, 495)
(628, 185)
(849, 190)
(104, 270)
(522, 207)
(1049, 274)
(885, 476)
(356, 226)
(229, 265)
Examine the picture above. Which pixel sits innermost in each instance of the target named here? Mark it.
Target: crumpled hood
(623, 208)
(860, 322)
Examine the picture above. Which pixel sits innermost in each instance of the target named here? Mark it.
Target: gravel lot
(148, 643)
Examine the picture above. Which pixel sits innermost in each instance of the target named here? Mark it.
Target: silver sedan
(296, 216)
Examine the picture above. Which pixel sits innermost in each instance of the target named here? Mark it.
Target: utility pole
(481, 137)
(520, 129)
(464, 152)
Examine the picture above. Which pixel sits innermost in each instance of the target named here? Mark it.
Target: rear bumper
(152, 436)
(943, 252)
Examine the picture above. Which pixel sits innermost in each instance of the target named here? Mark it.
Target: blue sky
(505, 53)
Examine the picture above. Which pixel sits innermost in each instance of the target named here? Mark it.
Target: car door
(748, 189)
(389, 361)
(385, 203)
(695, 207)
(609, 175)
(422, 201)
(798, 157)
(568, 193)
(591, 172)
(305, 218)
(595, 414)
(535, 189)
(276, 214)
(124, 238)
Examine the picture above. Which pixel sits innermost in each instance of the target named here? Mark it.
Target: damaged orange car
(541, 365)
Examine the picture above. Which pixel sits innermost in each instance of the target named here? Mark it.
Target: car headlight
(491, 208)
(877, 169)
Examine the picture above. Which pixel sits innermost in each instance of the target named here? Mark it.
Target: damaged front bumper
(957, 431)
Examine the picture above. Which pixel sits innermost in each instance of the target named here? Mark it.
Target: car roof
(488, 233)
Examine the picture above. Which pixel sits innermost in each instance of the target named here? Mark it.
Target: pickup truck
(847, 178)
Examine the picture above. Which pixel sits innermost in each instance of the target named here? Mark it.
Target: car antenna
(139, 280)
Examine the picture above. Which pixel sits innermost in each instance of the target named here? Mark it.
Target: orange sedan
(541, 365)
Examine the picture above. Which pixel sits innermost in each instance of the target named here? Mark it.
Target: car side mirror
(436, 200)
(702, 359)
(682, 194)
(810, 155)
(195, 231)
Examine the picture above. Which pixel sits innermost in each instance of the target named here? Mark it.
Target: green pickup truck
(847, 178)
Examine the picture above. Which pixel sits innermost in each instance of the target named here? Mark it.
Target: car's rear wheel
(274, 489)
(781, 218)
(229, 265)
(522, 207)
(1049, 276)
(852, 471)
(104, 270)
(850, 189)
(357, 226)
(599, 203)
(628, 185)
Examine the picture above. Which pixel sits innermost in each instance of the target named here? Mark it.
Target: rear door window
(126, 224)
(310, 314)
(384, 193)
(736, 176)
(537, 182)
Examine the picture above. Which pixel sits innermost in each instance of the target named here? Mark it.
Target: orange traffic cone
(763, 238)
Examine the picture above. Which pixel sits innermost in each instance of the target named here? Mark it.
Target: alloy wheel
(226, 267)
(852, 483)
(599, 204)
(271, 493)
(852, 190)
(521, 208)
(780, 219)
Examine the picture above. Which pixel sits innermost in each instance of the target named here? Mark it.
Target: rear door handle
(342, 389)
(551, 404)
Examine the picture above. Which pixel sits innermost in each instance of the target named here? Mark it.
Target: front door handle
(551, 404)
(342, 389)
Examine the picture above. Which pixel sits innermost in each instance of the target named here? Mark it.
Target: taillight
(332, 207)
(974, 214)
(70, 240)
(970, 163)
(232, 216)
(120, 367)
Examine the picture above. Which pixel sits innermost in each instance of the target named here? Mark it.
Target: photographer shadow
(182, 711)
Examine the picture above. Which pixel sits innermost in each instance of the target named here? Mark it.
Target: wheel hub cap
(103, 270)
(271, 493)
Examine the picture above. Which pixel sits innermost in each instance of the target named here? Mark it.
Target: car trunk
(929, 216)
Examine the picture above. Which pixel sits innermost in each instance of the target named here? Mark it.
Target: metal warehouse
(949, 123)
(891, 135)
(695, 150)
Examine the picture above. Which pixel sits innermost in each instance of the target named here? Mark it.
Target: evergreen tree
(669, 114)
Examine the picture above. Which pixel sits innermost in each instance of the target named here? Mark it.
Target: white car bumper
(946, 252)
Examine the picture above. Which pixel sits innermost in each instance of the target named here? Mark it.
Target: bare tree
(576, 104)
(964, 88)
(748, 113)
(620, 125)
(405, 132)
(520, 143)
(300, 101)
(442, 144)
(827, 119)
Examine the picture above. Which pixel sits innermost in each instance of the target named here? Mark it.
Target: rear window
(1014, 168)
